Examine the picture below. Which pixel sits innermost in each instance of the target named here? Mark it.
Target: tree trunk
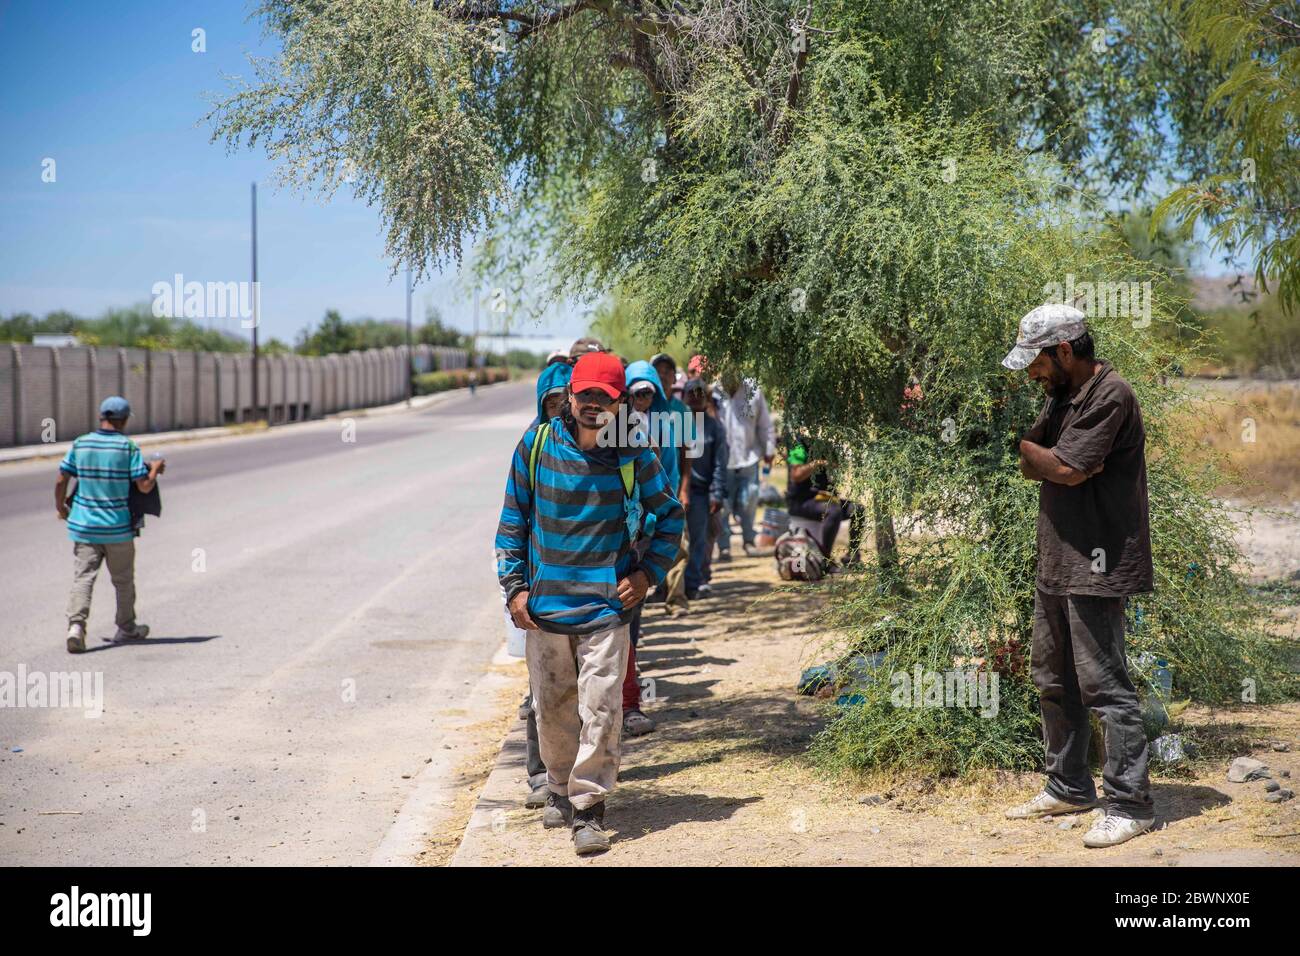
(886, 545)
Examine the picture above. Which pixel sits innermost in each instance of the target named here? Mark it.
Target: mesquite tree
(843, 199)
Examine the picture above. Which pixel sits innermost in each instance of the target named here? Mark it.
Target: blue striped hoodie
(566, 540)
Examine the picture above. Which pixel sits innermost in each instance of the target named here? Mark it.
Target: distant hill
(1212, 293)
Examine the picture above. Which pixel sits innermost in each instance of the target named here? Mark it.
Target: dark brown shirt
(1094, 537)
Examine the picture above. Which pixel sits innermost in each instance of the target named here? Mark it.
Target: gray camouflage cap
(1044, 327)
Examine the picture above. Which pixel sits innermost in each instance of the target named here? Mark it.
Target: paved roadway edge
(504, 778)
(431, 803)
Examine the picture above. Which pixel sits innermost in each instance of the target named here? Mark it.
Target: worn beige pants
(675, 582)
(86, 559)
(577, 685)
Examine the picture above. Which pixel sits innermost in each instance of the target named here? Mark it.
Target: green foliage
(428, 383)
(620, 327)
(1263, 341)
(1251, 198)
(524, 359)
(335, 335)
(134, 327)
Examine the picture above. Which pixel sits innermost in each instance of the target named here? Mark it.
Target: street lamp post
(255, 297)
(410, 356)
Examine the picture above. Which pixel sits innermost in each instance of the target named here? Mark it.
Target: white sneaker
(76, 638)
(123, 636)
(1046, 805)
(1112, 831)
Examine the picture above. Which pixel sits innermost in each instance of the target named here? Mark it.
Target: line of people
(600, 520)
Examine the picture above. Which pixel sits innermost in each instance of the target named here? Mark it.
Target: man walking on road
(573, 505)
(105, 463)
(1088, 451)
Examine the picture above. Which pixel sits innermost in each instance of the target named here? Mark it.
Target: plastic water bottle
(1163, 680)
(516, 639)
(1160, 680)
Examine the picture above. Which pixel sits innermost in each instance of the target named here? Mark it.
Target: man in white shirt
(743, 413)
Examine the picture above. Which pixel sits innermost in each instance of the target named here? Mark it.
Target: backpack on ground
(799, 557)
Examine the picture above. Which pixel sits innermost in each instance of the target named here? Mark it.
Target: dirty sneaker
(1112, 831)
(1046, 805)
(589, 834)
(558, 812)
(635, 723)
(136, 632)
(76, 638)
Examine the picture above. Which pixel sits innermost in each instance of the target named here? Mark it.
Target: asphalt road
(320, 610)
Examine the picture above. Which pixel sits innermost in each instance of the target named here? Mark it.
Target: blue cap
(115, 407)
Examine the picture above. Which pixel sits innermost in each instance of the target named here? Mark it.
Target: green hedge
(428, 383)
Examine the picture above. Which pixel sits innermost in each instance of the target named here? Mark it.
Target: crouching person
(574, 501)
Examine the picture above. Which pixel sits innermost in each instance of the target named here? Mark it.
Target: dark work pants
(831, 514)
(716, 531)
(1079, 665)
(697, 527)
(536, 769)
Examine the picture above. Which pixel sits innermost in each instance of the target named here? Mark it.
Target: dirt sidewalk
(724, 779)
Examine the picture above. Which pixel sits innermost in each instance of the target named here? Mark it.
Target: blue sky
(113, 93)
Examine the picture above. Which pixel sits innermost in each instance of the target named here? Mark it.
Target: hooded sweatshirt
(565, 538)
(666, 423)
(553, 376)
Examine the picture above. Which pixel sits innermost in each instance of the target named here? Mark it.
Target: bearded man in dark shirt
(1088, 451)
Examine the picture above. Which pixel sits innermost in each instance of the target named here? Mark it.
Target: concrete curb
(432, 800)
(503, 791)
(59, 449)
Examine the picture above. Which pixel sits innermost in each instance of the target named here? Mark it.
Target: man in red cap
(577, 497)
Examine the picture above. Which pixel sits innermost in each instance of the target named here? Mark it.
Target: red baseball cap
(600, 370)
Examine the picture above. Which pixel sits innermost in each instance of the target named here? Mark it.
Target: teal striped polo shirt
(105, 463)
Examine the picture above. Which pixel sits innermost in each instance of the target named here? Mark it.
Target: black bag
(142, 503)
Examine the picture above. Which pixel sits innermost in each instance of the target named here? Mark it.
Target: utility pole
(410, 356)
(256, 317)
(473, 346)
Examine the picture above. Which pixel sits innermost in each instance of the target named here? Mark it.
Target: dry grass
(726, 780)
(1256, 432)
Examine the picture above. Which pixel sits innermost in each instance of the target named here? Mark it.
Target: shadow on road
(150, 642)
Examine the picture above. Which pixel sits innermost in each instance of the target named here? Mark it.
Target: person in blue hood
(551, 387)
(665, 427)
